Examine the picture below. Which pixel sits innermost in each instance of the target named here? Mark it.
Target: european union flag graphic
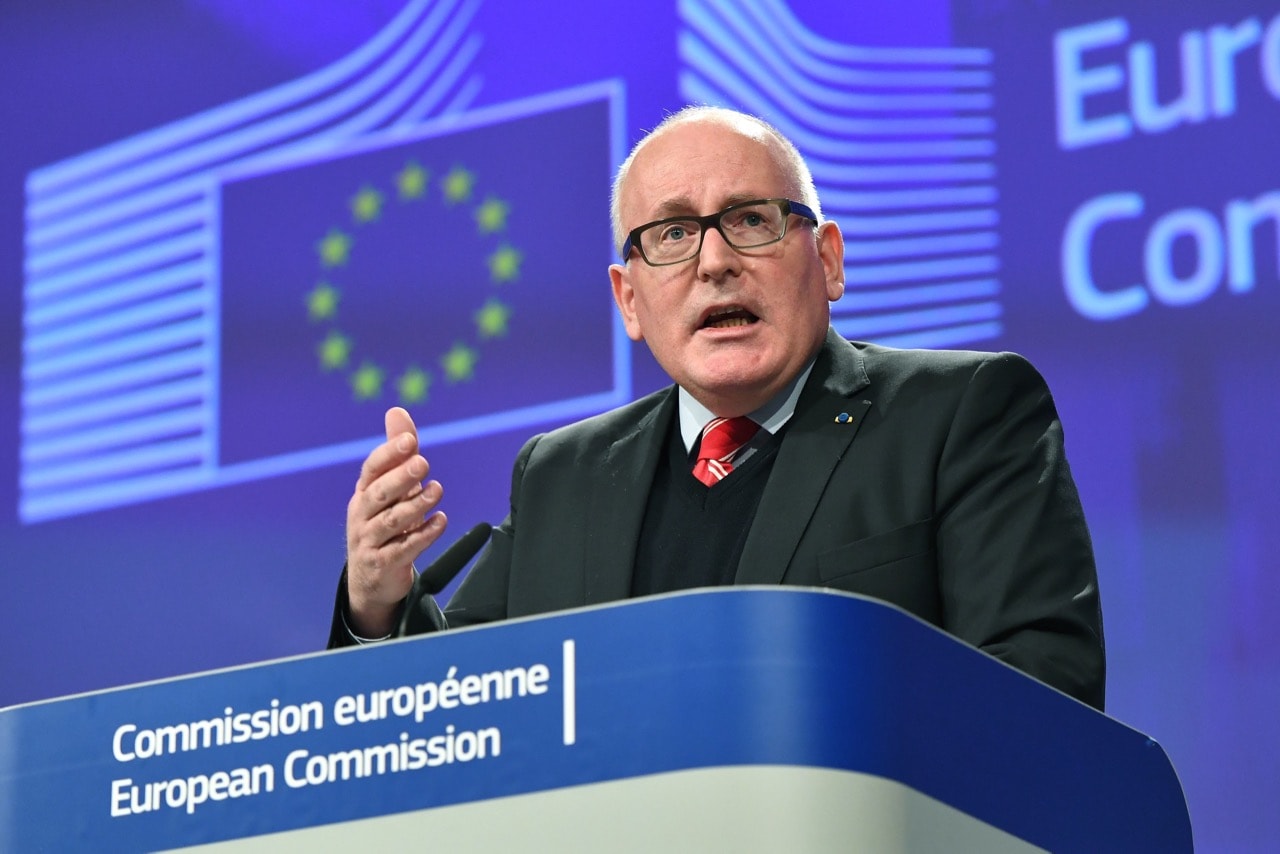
(268, 308)
(442, 272)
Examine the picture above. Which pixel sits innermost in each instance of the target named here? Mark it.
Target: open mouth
(728, 318)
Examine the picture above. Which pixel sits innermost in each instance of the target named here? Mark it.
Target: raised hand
(391, 519)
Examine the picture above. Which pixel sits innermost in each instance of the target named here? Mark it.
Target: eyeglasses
(745, 225)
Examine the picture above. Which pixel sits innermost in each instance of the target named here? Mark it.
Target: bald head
(783, 152)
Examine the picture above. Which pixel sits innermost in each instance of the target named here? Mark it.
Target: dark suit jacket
(947, 493)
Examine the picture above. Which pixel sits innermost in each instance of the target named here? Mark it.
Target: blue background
(1168, 412)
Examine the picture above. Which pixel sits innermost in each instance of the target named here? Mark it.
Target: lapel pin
(844, 418)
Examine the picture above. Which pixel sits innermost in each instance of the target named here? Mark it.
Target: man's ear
(624, 295)
(831, 251)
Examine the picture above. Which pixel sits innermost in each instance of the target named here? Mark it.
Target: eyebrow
(683, 205)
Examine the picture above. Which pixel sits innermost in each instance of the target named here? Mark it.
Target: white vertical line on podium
(570, 695)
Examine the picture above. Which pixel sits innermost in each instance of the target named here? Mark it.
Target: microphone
(421, 614)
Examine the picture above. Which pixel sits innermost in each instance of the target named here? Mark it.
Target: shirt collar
(776, 411)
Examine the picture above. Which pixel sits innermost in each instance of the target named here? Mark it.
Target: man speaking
(783, 454)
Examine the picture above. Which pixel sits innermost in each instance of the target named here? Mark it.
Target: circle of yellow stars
(336, 351)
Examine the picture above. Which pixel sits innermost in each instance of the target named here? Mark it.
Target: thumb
(398, 421)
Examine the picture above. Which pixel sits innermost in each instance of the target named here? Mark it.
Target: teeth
(728, 318)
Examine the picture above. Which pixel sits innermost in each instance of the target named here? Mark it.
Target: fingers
(376, 526)
(395, 499)
(387, 476)
(401, 444)
(393, 556)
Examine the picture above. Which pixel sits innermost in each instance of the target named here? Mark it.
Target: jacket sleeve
(1016, 567)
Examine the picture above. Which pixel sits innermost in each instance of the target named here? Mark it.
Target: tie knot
(722, 438)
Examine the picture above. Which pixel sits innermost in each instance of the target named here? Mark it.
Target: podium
(738, 719)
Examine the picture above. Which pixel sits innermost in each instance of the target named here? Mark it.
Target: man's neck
(775, 412)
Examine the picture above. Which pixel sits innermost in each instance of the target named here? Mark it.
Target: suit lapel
(813, 444)
(618, 501)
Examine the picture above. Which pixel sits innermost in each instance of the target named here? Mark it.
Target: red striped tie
(722, 438)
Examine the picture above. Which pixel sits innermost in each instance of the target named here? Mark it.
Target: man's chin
(734, 387)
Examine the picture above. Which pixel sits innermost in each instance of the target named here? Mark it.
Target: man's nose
(717, 258)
